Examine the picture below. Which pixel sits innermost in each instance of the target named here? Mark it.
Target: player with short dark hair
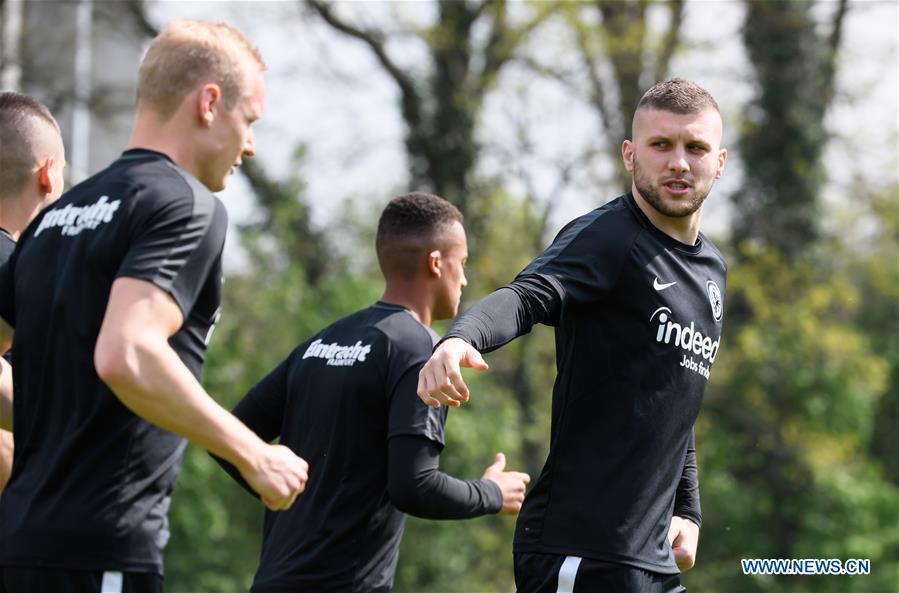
(636, 295)
(345, 400)
(31, 152)
(32, 162)
(114, 291)
(677, 96)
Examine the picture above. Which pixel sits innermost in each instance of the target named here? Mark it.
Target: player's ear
(207, 100)
(435, 263)
(44, 178)
(627, 155)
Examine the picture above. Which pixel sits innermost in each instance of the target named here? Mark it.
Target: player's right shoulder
(158, 181)
(352, 341)
(159, 192)
(604, 230)
(405, 333)
(613, 217)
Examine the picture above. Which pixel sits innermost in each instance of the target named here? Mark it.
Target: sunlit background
(515, 112)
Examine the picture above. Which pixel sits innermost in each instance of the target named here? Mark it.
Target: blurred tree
(783, 135)
(286, 215)
(440, 108)
(786, 430)
(876, 274)
(791, 414)
(622, 57)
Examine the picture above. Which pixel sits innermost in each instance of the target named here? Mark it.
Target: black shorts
(549, 573)
(51, 580)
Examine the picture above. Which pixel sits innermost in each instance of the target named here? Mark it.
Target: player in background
(636, 295)
(113, 292)
(32, 161)
(345, 400)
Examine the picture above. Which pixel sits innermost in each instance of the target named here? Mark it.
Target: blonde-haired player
(113, 293)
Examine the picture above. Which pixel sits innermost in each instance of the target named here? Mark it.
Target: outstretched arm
(495, 320)
(507, 313)
(418, 487)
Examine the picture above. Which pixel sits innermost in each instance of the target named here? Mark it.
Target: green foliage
(783, 135)
(785, 433)
(876, 273)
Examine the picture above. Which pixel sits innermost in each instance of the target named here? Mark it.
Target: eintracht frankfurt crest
(715, 299)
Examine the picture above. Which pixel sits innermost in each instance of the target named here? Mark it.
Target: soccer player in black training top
(32, 161)
(636, 295)
(345, 400)
(113, 292)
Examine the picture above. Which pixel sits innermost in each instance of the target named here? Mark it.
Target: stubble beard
(687, 206)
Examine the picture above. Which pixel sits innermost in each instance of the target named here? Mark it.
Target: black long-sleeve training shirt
(638, 320)
(345, 402)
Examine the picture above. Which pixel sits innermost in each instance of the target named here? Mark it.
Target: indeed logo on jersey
(337, 355)
(74, 219)
(687, 338)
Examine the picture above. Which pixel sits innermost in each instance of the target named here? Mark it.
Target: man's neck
(153, 132)
(16, 213)
(406, 294)
(684, 229)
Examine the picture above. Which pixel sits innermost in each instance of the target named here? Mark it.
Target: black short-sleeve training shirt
(91, 481)
(336, 401)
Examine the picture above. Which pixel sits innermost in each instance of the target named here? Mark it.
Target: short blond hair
(187, 53)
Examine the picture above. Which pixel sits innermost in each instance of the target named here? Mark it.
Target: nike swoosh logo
(659, 286)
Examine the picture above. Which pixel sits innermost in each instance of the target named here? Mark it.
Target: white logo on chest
(659, 286)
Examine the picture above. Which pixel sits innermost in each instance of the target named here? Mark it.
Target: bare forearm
(152, 382)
